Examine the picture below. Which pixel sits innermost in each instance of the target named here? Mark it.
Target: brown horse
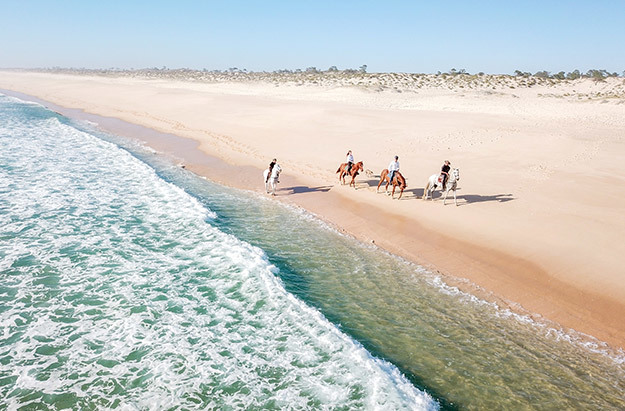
(359, 166)
(398, 180)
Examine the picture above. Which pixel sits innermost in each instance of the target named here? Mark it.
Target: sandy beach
(541, 194)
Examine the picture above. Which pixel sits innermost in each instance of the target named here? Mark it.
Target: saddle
(440, 178)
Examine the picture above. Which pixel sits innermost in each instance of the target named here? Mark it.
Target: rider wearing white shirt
(393, 167)
(350, 161)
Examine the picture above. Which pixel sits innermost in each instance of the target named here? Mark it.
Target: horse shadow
(476, 198)
(372, 182)
(417, 192)
(305, 189)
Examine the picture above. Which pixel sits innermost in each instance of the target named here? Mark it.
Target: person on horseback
(350, 161)
(273, 163)
(445, 173)
(392, 168)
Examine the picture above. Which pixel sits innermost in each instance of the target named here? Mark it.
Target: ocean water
(127, 282)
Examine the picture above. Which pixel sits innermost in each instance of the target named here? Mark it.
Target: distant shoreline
(514, 235)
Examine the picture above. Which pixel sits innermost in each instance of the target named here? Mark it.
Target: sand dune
(542, 190)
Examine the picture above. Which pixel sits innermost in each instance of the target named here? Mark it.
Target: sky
(387, 36)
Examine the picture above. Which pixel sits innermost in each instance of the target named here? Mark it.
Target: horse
(398, 180)
(270, 183)
(359, 166)
(452, 185)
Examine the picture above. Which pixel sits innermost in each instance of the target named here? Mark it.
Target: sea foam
(117, 291)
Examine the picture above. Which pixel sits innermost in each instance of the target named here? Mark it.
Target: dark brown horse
(359, 166)
(398, 180)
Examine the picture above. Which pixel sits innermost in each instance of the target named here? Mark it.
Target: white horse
(433, 183)
(270, 184)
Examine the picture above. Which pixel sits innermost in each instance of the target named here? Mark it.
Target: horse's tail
(425, 191)
(338, 170)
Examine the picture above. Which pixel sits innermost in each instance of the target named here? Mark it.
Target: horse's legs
(393, 193)
(400, 193)
(445, 198)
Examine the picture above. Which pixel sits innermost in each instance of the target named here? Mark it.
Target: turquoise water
(130, 282)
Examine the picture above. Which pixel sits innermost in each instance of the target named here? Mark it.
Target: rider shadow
(306, 189)
(476, 198)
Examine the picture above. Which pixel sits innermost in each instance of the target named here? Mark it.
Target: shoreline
(509, 279)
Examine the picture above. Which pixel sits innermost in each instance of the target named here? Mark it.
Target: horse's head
(360, 166)
(277, 169)
(401, 180)
(456, 173)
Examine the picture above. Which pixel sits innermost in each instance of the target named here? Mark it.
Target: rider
(350, 161)
(273, 163)
(445, 173)
(392, 168)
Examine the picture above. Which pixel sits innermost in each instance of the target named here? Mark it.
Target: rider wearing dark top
(273, 163)
(445, 173)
